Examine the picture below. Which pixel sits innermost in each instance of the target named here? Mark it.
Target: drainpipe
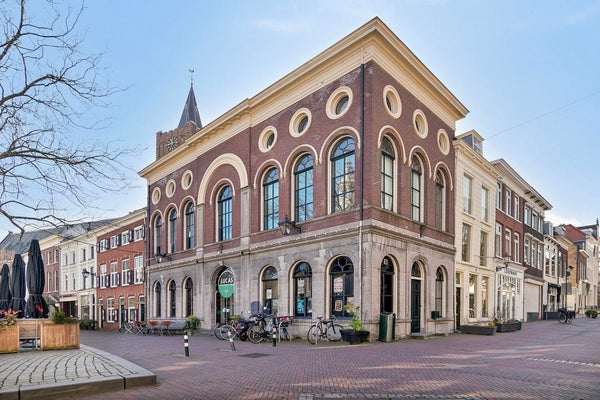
(361, 179)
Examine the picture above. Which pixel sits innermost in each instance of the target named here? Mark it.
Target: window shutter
(98, 247)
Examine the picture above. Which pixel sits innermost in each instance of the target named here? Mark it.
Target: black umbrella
(17, 286)
(4, 289)
(36, 305)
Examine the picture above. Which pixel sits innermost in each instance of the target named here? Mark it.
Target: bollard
(186, 344)
(274, 336)
(231, 341)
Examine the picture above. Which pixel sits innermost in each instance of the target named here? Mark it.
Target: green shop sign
(226, 282)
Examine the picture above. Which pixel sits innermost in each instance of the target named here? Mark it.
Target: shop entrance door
(415, 306)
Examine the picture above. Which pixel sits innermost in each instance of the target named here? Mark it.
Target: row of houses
(342, 184)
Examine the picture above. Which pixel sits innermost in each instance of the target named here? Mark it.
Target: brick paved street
(545, 360)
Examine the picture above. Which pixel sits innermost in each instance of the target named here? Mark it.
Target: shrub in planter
(356, 334)
(591, 313)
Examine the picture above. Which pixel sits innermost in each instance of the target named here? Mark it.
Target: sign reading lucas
(226, 283)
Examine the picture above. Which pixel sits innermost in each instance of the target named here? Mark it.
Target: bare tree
(48, 89)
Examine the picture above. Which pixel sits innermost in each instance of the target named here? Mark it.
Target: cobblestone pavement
(545, 360)
(53, 374)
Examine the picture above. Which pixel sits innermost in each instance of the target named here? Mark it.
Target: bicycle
(262, 328)
(324, 329)
(565, 316)
(223, 331)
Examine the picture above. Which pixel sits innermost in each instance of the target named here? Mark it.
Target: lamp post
(286, 226)
(85, 274)
(566, 291)
(160, 257)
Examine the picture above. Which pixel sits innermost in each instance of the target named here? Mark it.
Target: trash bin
(387, 322)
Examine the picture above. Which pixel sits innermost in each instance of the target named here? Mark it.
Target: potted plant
(356, 334)
(9, 332)
(591, 313)
(507, 326)
(488, 329)
(192, 322)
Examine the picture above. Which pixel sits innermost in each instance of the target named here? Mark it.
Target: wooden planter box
(59, 336)
(9, 339)
(478, 329)
(508, 326)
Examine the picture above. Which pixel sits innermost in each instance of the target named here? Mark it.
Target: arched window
(439, 291)
(157, 304)
(387, 174)
(225, 214)
(172, 303)
(302, 290)
(172, 231)
(303, 183)
(387, 286)
(416, 185)
(189, 297)
(271, 200)
(158, 235)
(341, 275)
(270, 292)
(342, 176)
(189, 226)
(440, 201)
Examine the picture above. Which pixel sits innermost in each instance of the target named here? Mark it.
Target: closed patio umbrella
(36, 304)
(17, 286)
(5, 295)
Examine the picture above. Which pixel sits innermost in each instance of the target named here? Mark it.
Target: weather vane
(191, 77)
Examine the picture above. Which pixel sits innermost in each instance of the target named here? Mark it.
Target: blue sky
(528, 71)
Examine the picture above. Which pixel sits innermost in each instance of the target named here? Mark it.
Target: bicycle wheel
(283, 333)
(255, 334)
(334, 333)
(313, 334)
(217, 332)
(562, 317)
(228, 331)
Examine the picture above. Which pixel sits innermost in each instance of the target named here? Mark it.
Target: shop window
(302, 290)
(341, 275)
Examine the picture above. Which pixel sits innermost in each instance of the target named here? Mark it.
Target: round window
(300, 122)
(420, 123)
(267, 139)
(339, 102)
(443, 142)
(391, 98)
(170, 190)
(186, 179)
(155, 195)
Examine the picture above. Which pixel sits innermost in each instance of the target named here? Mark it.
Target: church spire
(190, 110)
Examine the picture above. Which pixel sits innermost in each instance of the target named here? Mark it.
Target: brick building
(117, 279)
(331, 187)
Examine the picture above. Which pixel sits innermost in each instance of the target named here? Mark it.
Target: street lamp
(160, 257)
(286, 226)
(85, 274)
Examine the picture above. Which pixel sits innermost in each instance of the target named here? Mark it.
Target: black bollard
(274, 336)
(186, 344)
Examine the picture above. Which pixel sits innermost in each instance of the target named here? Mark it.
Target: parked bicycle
(229, 329)
(565, 316)
(324, 329)
(262, 328)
